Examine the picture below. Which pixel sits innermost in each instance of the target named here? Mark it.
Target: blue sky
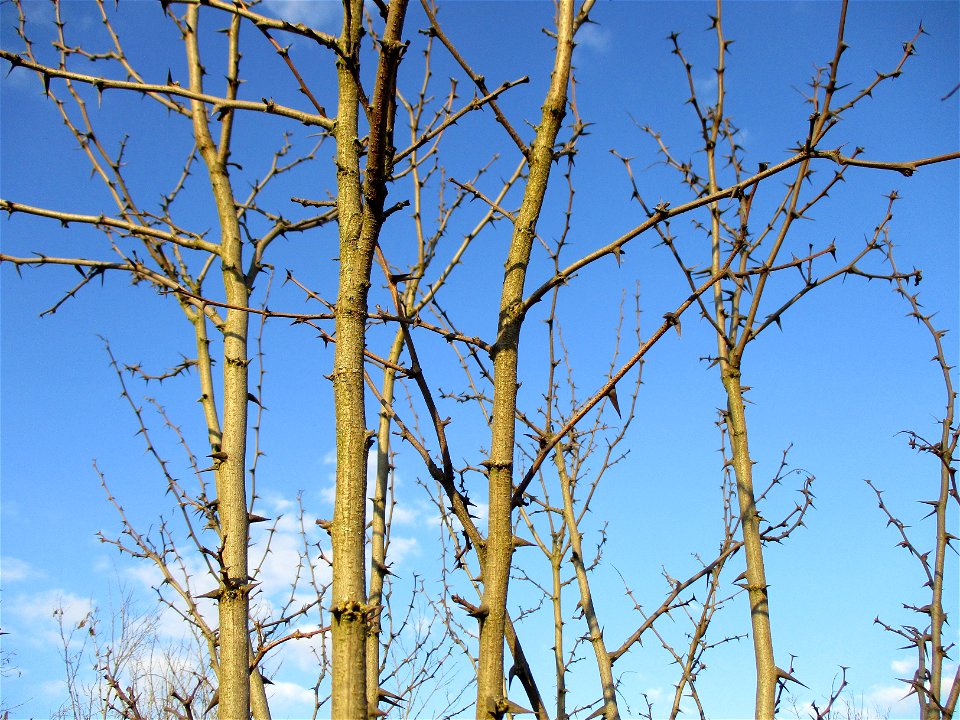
(846, 375)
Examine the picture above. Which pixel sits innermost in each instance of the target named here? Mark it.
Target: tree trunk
(499, 544)
(230, 454)
(360, 217)
(753, 548)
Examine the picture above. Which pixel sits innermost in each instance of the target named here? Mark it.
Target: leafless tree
(135, 673)
(937, 693)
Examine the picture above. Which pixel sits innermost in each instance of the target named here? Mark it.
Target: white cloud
(708, 83)
(904, 666)
(35, 613)
(280, 505)
(319, 14)
(328, 493)
(302, 655)
(405, 514)
(146, 574)
(400, 548)
(890, 700)
(288, 699)
(53, 689)
(15, 570)
(279, 569)
(39, 606)
(896, 699)
(654, 694)
(170, 625)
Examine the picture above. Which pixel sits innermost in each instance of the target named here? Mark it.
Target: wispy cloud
(904, 666)
(279, 568)
(890, 700)
(409, 514)
(33, 615)
(896, 699)
(401, 548)
(595, 37)
(16, 570)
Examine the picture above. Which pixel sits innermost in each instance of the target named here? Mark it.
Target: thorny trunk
(360, 217)
(259, 706)
(730, 356)
(750, 525)
(349, 610)
(499, 544)
(229, 450)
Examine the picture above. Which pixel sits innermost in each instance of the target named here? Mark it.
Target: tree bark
(499, 544)
(753, 547)
(360, 217)
(230, 454)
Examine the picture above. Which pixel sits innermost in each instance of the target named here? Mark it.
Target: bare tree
(747, 260)
(136, 674)
(937, 693)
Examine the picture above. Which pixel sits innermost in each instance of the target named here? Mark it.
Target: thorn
(214, 701)
(384, 568)
(612, 394)
(388, 697)
(673, 320)
(787, 676)
(618, 253)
